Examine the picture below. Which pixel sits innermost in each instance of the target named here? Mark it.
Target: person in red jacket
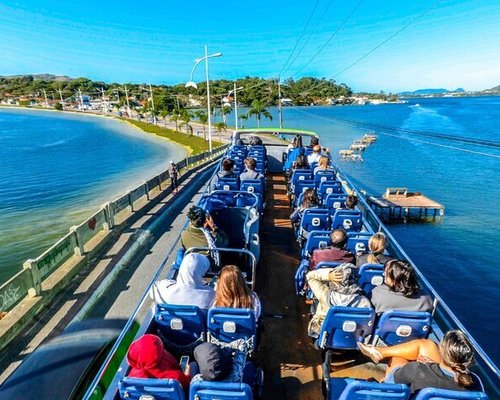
(149, 359)
(335, 253)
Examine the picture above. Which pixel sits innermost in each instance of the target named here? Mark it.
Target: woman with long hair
(422, 363)
(400, 290)
(309, 200)
(232, 291)
(375, 255)
(300, 162)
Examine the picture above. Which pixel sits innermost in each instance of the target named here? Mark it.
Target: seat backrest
(344, 327)
(370, 275)
(396, 326)
(158, 389)
(230, 324)
(300, 175)
(206, 390)
(358, 241)
(324, 176)
(334, 201)
(328, 187)
(349, 220)
(227, 184)
(315, 240)
(445, 394)
(253, 186)
(314, 219)
(363, 390)
(302, 186)
(180, 324)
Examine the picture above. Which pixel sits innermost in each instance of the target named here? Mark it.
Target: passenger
(309, 200)
(376, 246)
(351, 202)
(323, 164)
(315, 155)
(227, 172)
(400, 290)
(255, 141)
(296, 143)
(239, 142)
(202, 232)
(149, 359)
(189, 288)
(250, 172)
(333, 287)
(232, 291)
(294, 150)
(335, 253)
(300, 163)
(422, 363)
(314, 141)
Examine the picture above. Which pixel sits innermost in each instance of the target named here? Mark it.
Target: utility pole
(235, 107)
(152, 103)
(81, 98)
(61, 97)
(46, 100)
(128, 104)
(279, 104)
(104, 105)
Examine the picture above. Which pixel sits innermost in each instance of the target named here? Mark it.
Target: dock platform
(400, 205)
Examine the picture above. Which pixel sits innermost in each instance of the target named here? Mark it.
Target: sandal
(371, 352)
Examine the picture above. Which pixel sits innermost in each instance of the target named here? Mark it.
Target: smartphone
(184, 362)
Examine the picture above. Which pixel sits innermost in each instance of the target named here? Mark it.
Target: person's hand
(209, 223)
(187, 371)
(335, 276)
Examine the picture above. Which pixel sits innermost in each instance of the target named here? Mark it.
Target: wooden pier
(400, 205)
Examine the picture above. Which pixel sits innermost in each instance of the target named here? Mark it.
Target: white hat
(171, 162)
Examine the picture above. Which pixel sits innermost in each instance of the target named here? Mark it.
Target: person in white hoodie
(189, 288)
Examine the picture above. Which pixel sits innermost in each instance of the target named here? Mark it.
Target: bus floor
(292, 366)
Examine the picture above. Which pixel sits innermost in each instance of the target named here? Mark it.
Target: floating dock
(400, 205)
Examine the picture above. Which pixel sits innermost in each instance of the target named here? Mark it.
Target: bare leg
(395, 362)
(413, 350)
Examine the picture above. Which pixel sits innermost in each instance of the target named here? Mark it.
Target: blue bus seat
(316, 240)
(396, 327)
(253, 186)
(324, 176)
(227, 184)
(333, 201)
(299, 175)
(158, 389)
(328, 187)
(208, 390)
(230, 324)
(292, 155)
(358, 241)
(370, 275)
(313, 219)
(344, 327)
(300, 277)
(308, 151)
(180, 324)
(353, 389)
(300, 187)
(349, 220)
(445, 394)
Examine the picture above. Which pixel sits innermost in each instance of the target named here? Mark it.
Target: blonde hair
(376, 244)
(232, 290)
(458, 354)
(323, 162)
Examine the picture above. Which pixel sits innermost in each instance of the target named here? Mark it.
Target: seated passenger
(323, 164)
(189, 288)
(255, 141)
(202, 232)
(335, 253)
(227, 172)
(149, 359)
(400, 290)
(309, 200)
(295, 144)
(314, 141)
(351, 202)
(300, 162)
(315, 155)
(375, 255)
(333, 287)
(250, 172)
(422, 363)
(232, 291)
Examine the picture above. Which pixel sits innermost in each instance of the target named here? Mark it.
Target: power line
(331, 37)
(389, 38)
(300, 37)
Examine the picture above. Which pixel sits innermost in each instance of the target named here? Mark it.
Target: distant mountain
(426, 92)
(495, 90)
(44, 77)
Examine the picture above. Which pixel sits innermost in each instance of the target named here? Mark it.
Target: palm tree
(175, 117)
(186, 119)
(203, 118)
(225, 109)
(164, 114)
(243, 118)
(257, 108)
(220, 126)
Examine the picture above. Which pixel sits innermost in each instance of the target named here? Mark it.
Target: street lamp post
(235, 103)
(193, 84)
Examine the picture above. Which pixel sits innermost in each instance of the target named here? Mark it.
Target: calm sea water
(459, 256)
(56, 169)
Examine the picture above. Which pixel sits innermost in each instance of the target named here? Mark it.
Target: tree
(203, 118)
(164, 113)
(258, 109)
(58, 106)
(225, 109)
(220, 126)
(175, 117)
(243, 118)
(186, 119)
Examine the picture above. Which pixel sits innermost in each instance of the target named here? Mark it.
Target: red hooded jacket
(149, 359)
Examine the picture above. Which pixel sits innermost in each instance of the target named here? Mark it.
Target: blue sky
(455, 44)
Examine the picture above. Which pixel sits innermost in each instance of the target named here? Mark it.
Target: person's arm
(318, 282)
